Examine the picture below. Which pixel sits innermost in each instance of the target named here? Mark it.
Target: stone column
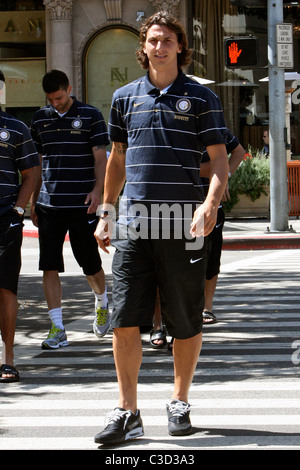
(60, 48)
(113, 10)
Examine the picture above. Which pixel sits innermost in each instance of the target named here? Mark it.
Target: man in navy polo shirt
(70, 137)
(159, 125)
(18, 159)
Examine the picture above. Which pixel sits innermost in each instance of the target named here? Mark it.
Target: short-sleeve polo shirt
(17, 153)
(166, 134)
(65, 144)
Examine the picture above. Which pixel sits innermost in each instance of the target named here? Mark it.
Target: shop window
(12, 5)
(109, 63)
(22, 113)
(244, 96)
(23, 83)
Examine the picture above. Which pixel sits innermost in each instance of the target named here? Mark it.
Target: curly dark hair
(163, 18)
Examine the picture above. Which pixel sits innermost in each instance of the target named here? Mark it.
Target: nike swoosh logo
(192, 261)
(219, 225)
(46, 125)
(14, 225)
(92, 221)
(138, 104)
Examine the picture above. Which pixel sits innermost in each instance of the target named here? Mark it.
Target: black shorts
(11, 234)
(53, 226)
(141, 266)
(216, 238)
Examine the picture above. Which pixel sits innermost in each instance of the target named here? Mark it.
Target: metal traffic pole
(278, 161)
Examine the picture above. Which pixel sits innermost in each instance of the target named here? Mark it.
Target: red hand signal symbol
(234, 53)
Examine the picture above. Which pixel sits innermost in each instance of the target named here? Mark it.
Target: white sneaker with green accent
(56, 338)
(101, 323)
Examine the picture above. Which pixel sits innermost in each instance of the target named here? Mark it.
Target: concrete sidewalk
(239, 234)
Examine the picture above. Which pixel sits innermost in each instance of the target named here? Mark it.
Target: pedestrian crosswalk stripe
(198, 420)
(108, 404)
(152, 443)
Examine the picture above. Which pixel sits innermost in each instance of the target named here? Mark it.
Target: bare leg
(52, 289)
(157, 320)
(210, 287)
(127, 348)
(186, 353)
(97, 282)
(157, 314)
(8, 318)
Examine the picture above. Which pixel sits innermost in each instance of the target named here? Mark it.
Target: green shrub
(250, 178)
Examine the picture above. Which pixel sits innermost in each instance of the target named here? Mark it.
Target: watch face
(19, 210)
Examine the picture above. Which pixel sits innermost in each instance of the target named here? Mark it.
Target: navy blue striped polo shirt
(65, 144)
(166, 135)
(17, 153)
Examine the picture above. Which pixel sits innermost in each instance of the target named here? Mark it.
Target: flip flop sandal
(5, 369)
(210, 317)
(158, 335)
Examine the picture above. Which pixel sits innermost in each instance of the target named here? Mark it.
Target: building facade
(94, 42)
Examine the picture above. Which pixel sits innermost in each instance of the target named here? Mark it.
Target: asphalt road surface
(246, 390)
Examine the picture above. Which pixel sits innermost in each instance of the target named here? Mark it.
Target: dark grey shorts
(141, 266)
(216, 238)
(11, 235)
(54, 224)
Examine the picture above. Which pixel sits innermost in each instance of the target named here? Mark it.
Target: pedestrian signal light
(241, 52)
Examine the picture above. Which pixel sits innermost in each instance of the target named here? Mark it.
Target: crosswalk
(245, 393)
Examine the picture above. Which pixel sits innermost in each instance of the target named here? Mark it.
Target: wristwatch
(19, 210)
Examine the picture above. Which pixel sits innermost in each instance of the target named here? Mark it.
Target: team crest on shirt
(76, 124)
(4, 135)
(183, 105)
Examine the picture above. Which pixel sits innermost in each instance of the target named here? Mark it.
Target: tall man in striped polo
(70, 137)
(158, 125)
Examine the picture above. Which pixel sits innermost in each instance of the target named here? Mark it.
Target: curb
(34, 234)
(262, 242)
(30, 233)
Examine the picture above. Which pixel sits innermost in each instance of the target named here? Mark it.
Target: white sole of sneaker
(100, 335)
(59, 345)
(133, 434)
(138, 432)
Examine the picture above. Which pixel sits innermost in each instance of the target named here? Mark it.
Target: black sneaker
(179, 423)
(122, 426)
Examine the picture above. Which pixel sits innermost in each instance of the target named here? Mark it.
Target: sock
(56, 317)
(101, 299)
